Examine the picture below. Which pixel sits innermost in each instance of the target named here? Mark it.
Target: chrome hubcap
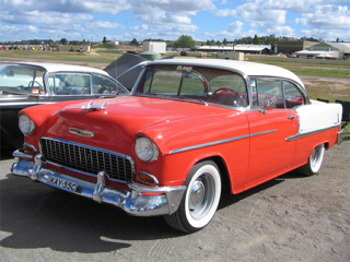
(201, 196)
(315, 156)
(197, 194)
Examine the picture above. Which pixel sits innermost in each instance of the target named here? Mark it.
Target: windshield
(214, 86)
(21, 79)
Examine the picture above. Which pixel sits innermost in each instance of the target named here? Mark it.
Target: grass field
(324, 70)
(64, 56)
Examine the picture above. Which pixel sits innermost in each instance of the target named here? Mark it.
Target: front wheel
(315, 161)
(201, 199)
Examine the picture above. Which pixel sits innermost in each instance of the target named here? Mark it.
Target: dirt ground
(290, 218)
(327, 88)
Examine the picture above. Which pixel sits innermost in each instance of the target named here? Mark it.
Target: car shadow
(229, 199)
(37, 216)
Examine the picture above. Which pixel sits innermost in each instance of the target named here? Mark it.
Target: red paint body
(249, 161)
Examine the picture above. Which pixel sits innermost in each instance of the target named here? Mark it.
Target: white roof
(319, 53)
(251, 47)
(245, 68)
(58, 67)
(344, 47)
(215, 47)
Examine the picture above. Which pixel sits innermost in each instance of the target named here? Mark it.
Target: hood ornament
(91, 107)
(80, 132)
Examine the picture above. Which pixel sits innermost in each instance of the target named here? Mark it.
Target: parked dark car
(27, 84)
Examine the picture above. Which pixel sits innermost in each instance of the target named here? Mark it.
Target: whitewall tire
(315, 161)
(201, 198)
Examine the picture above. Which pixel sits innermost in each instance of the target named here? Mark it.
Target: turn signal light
(29, 149)
(146, 178)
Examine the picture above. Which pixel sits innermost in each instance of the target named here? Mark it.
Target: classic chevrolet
(190, 128)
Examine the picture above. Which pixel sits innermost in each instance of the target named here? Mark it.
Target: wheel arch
(224, 172)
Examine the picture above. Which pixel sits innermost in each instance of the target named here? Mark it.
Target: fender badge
(82, 133)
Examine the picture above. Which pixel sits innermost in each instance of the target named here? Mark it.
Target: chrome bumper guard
(131, 201)
(340, 136)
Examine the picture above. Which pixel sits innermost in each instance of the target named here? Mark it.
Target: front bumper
(132, 201)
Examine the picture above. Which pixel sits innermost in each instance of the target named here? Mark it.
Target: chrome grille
(90, 160)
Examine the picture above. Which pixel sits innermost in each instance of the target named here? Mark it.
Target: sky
(204, 20)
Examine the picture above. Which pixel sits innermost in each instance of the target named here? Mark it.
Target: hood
(115, 127)
(126, 69)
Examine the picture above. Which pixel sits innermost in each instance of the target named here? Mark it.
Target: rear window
(21, 79)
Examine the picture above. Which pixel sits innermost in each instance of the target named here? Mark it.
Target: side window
(163, 82)
(229, 89)
(192, 84)
(292, 95)
(103, 85)
(70, 84)
(270, 92)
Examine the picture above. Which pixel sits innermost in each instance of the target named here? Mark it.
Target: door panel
(270, 153)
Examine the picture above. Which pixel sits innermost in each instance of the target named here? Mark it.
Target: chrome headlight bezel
(26, 125)
(145, 149)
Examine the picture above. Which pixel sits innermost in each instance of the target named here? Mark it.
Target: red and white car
(189, 128)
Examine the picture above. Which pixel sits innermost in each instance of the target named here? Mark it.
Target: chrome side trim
(299, 136)
(229, 140)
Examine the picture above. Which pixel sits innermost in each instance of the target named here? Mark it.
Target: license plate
(62, 183)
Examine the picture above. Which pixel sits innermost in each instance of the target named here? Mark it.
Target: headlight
(26, 125)
(145, 149)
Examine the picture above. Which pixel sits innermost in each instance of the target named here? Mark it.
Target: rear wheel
(201, 199)
(315, 161)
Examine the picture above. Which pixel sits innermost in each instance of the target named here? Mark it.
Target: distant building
(326, 50)
(317, 54)
(288, 47)
(253, 49)
(221, 49)
(112, 42)
(154, 46)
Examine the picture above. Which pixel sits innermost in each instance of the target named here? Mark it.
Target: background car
(27, 84)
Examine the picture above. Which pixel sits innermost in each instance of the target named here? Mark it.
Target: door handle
(290, 117)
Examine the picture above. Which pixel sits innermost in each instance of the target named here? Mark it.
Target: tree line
(184, 41)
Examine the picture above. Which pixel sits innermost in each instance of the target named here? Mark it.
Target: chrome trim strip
(298, 136)
(229, 140)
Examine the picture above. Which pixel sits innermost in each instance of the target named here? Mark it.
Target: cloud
(288, 5)
(327, 17)
(170, 13)
(157, 16)
(255, 12)
(103, 25)
(45, 18)
(66, 6)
